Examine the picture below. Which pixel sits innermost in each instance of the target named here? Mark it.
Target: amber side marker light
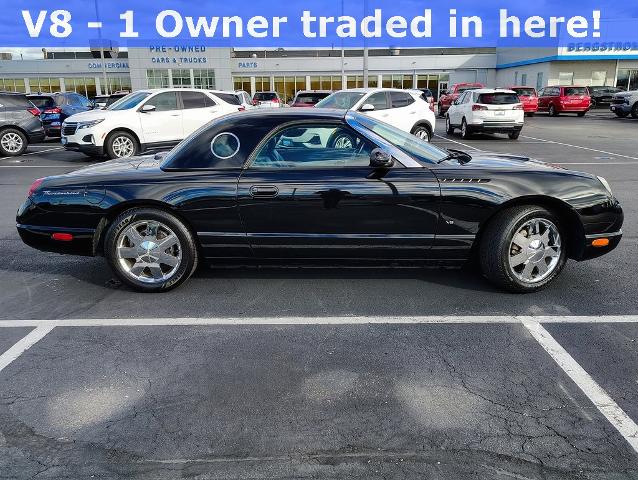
(62, 237)
(600, 242)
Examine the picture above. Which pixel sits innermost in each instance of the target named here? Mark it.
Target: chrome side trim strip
(603, 235)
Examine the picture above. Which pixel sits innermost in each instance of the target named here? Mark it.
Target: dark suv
(56, 107)
(19, 124)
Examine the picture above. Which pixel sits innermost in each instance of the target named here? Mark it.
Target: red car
(529, 99)
(563, 99)
(451, 94)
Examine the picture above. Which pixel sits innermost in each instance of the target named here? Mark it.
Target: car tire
(634, 110)
(465, 130)
(12, 142)
(621, 114)
(121, 145)
(153, 269)
(341, 139)
(530, 114)
(440, 110)
(499, 253)
(581, 114)
(552, 111)
(449, 129)
(514, 135)
(423, 133)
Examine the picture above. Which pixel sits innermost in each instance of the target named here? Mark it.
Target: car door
(543, 97)
(198, 110)
(308, 194)
(164, 124)
(381, 104)
(403, 111)
(456, 110)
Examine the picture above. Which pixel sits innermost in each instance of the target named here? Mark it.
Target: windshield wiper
(460, 155)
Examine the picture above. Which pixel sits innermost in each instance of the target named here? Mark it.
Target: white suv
(145, 120)
(404, 109)
(486, 110)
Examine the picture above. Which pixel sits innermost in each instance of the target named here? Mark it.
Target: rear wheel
(465, 131)
(581, 114)
(449, 129)
(150, 250)
(121, 145)
(522, 249)
(12, 142)
(634, 111)
(514, 135)
(341, 139)
(423, 133)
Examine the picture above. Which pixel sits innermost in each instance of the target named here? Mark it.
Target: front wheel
(12, 142)
(634, 111)
(621, 114)
(121, 145)
(423, 133)
(341, 140)
(150, 250)
(552, 111)
(522, 249)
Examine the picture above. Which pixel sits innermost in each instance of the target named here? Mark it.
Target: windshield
(463, 89)
(341, 100)
(525, 92)
(311, 98)
(418, 149)
(130, 101)
(265, 96)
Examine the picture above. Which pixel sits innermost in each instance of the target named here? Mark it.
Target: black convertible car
(304, 186)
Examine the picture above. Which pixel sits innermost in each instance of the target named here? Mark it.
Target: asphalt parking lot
(325, 373)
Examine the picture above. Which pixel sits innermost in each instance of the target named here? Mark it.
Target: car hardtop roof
(375, 89)
(301, 113)
(314, 91)
(516, 86)
(493, 90)
(567, 86)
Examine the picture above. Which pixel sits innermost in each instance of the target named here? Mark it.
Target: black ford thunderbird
(322, 186)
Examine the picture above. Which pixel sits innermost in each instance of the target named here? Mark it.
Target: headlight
(605, 184)
(91, 123)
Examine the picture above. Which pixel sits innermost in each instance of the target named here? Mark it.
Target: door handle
(174, 114)
(268, 191)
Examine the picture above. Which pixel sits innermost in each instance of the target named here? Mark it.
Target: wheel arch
(7, 126)
(422, 123)
(571, 225)
(113, 212)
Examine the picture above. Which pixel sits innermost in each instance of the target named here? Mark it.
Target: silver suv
(625, 103)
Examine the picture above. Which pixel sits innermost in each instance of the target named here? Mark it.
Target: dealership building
(289, 70)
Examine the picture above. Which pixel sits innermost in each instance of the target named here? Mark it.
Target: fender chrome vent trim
(464, 180)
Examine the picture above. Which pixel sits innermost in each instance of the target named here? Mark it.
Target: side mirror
(368, 107)
(380, 159)
(148, 108)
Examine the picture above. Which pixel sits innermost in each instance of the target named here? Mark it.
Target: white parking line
(353, 320)
(598, 396)
(24, 344)
(458, 143)
(35, 153)
(581, 147)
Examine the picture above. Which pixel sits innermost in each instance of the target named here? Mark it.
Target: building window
(82, 85)
(262, 84)
(117, 84)
(539, 80)
(354, 81)
(515, 78)
(287, 87)
(44, 84)
(204, 78)
(566, 78)
(181, 78)
(241, 83)
(627, 79)
(12, 85)
(598, 78)
(157, 78)
(524, 79)
(396, 81)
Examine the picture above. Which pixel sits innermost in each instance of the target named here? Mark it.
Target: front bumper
(87, 148)
(591, 251)
(620, 107)
(41, 238)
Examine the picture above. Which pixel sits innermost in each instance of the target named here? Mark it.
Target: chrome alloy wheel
(123, 147)
(149, 251)
(422, 134)
(12, 142)
(535, 250)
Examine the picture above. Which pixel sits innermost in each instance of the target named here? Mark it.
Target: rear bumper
(52, 131)
(40, 238)
(573, 109)
(496, 127)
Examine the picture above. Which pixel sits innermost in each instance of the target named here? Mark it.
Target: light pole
(99, 34)
(365, 50)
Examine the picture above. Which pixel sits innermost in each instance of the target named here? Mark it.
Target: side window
(164, 101)
(74, 100)
(193, 100)
(314, 146)
(83, 101)
(461, 99)
(379, 100)
(401, 99)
